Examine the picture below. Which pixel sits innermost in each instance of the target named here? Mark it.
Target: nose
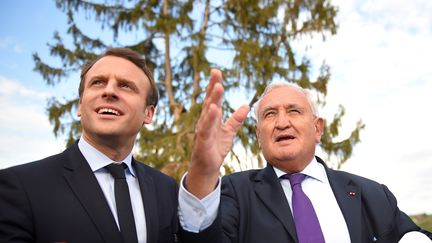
(282, 121)
(110, 91)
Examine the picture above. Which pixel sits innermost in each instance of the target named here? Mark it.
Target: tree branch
(196, 69)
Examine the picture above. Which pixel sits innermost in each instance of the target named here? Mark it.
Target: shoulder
(373, 192)
(38, 167)
(150, 172)
(343, 177)
(243, 181)
(162, 188)
(31, 178)
(353, 178)
(70, 157)
(248, 175)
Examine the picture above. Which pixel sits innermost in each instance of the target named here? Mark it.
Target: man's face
(112, 105)
(287, 130)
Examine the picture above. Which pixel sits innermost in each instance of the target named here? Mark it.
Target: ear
(79, 108)
(319, 128)
(148, 114)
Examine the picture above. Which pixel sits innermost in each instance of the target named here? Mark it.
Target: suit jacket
(254, 209)
(58, 199)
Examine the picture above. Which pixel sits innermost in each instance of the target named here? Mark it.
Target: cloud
(380, 66)
(11, 88)
(26, 133)
(10, 43)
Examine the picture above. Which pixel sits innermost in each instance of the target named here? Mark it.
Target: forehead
(283, 96)
(119, 67)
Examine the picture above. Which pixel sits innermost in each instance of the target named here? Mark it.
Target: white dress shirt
(97, 161)
(196, 215)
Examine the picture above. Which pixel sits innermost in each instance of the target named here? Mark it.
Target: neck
(291, 166)
(114, 148)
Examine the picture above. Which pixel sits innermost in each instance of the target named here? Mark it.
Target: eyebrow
(119, 79)
(268, 108)
(100, 76)
(89, 79)
(287, 106)
(296, 106)
(128, 82)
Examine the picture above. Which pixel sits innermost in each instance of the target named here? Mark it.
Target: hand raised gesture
(213, 139)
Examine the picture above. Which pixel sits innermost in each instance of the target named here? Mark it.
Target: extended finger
(210, 123)
(215, 77)
(237, 118)
(215, 97)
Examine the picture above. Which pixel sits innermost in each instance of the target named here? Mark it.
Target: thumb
(237, 118)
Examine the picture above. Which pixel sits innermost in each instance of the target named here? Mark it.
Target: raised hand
(213, 139)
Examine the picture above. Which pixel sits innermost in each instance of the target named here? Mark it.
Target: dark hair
(135, 58)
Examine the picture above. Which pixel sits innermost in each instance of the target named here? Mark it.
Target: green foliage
(341, 149)
(424, 221)
(253, 36)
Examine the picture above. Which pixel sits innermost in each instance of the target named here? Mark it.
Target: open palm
(213, 138)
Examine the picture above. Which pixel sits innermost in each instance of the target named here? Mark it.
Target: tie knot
(117, 170)
(295, 179)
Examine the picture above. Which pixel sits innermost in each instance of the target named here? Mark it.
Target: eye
(268, 114)
(125, 85)
(96, 82)
(294, 111)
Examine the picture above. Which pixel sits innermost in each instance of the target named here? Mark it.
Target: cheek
(140, 115)
(265, 135)
(314, 134)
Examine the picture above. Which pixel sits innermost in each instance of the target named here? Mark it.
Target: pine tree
(179, 40)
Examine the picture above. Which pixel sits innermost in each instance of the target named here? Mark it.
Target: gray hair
(294, 86)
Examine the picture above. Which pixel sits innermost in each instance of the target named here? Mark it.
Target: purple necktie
(306, 222)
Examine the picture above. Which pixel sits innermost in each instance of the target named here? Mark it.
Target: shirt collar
(97, 160)
(314, 170)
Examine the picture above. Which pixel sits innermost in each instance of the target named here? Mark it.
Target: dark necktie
(123, 203)
(306, 221)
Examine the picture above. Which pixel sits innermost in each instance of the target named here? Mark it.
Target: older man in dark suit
(296, 198)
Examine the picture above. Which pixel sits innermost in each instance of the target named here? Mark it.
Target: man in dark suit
(270, 204)
(72, 196)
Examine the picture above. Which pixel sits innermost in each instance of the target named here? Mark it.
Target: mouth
(108, 111)
(284, 137)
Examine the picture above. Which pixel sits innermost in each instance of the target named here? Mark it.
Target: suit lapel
(148, 194)
(348, 196)
(84, 184)
(269, 190)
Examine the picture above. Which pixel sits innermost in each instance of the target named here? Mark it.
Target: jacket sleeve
(427, 233)
(15, 211)
(403, 224)
(387, 221)
(219, 232)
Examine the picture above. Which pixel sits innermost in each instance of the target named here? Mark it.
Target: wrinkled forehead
(115, 65)
(282, 96)
(120, 68)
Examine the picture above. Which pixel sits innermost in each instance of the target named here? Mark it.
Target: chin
(108, 132)
(286, 155)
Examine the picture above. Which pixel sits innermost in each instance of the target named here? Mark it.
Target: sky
(380, 66)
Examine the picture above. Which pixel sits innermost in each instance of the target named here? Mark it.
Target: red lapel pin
(352, 194)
